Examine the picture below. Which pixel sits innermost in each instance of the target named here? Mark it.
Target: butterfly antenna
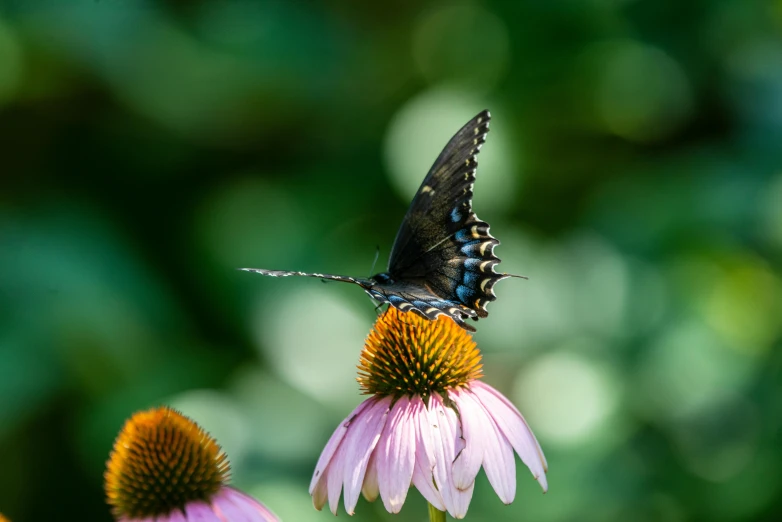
(377, 254)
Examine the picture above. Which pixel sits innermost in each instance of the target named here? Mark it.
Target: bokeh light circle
(462, 44)
(423, 126)
(291, 423)
(744, 305)
(579, 285)
(566, 397)
(233, 219)
(218, 414)
(312, 338)
(688, 370)
(641, 93)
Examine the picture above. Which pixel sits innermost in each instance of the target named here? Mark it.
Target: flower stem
(435, 515)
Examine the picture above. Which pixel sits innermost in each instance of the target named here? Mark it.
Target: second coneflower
(430, 422)
(165, 468)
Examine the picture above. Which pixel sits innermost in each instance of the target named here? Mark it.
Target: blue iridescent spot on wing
(465, 294)
(462, 235)
(471, 278)
(423, 305)
(440, 303)
(469, 248)
(473, 263)
(395, 299)
(456, 216)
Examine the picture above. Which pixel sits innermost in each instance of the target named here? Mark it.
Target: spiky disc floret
(161, 461)
(406, 354)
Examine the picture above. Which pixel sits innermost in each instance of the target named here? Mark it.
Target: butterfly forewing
(441, 243)
(443, 202)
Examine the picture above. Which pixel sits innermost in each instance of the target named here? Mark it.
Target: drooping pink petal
(231, 505)
(448, 441)
(358, 444)
(333, 478)
(333, 444)
(468, 461)
(200, 512)
(370, 489)
(512, 424)
(395, 455)
(433, 442)
(424, 483)
(498, 460)
(423, 473)
(462, 502)
(320, 493)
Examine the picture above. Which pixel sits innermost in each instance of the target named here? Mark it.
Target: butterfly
(442, 260)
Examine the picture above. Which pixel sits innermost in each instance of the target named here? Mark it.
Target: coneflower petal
(423, 473)
(359, 444)
(515, 428)
(200, 512)
(334, 478)
(445, 428)
(431, 431)
(320, 493)
(422, 480)
(370, 489)
(228, 509)
(468, 461)
(231, 505)
(498, 460)
(333, 444)
(395, 455)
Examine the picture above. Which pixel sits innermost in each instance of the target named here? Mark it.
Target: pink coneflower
(429, 422)
(165, 468)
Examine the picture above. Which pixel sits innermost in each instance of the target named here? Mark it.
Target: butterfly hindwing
(410, 296)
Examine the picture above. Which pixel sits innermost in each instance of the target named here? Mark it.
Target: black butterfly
(442, 261)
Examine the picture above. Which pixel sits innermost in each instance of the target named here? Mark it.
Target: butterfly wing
(442, 247)
(411, 296)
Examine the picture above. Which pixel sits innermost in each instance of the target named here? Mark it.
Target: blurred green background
(633, 172)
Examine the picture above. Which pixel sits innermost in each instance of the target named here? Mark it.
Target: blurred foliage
(633, 172)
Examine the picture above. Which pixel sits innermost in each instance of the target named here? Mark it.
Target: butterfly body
(442, 261)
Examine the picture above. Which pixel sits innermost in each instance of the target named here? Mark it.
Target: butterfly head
(382, 279)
